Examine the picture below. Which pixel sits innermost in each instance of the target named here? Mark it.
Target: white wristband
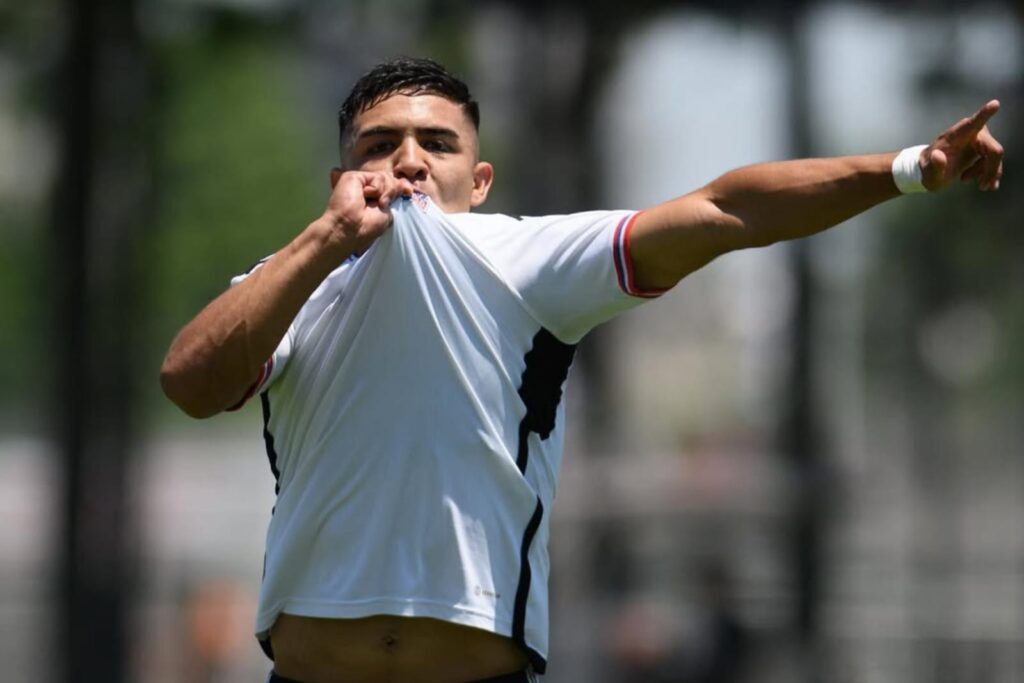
(906, 170)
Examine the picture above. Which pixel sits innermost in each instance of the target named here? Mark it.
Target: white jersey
(413, 418)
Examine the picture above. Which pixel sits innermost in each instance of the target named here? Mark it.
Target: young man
(417, 353)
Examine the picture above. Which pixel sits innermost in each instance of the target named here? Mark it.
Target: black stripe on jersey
(268, 439)
(547, 366)
(523, 591)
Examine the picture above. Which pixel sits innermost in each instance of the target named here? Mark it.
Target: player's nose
(410, 163)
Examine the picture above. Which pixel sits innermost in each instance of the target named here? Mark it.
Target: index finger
(373, 183)
(974, 123)
(395, 187)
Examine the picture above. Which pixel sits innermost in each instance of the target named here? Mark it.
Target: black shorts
(517, 677)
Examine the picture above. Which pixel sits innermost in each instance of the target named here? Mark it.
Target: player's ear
(335, 176)
(483, 176)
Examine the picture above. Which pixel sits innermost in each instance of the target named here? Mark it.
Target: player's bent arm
(217, 356)
(754, 206)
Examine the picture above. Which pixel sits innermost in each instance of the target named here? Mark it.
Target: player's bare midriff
(389, 649)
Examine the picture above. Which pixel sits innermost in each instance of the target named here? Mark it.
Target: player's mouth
(423, 189)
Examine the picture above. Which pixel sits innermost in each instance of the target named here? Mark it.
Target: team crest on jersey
(420, 200)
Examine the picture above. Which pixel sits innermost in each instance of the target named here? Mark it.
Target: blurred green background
(804, 464)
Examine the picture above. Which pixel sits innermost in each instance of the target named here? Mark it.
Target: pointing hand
(967, 151)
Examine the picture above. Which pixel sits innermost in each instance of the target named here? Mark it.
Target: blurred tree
(237, 172)
(22, 367)
(27, 62)
(948, 336)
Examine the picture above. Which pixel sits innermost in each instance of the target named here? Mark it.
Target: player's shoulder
(475, 220)
(520, 221)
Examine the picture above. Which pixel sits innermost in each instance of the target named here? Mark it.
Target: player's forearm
(769, 203)
(755, 206)
(216, 358)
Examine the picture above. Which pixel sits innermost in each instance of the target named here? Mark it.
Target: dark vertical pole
(71, 206)
(602, 37)
(800, 431)
(99, 203)
(557, 168)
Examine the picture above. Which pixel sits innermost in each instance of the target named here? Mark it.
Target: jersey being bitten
(414, 421)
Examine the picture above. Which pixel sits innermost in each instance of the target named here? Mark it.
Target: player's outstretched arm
(217, 356)
(766, 203)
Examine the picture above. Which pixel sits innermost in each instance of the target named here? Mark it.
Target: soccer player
(410, 357)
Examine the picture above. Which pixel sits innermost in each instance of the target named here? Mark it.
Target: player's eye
(436, 145)
(376, 148)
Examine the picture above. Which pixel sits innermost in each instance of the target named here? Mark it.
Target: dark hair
(405, 76)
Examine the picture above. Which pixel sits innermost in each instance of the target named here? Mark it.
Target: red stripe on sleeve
(631, 287)
(265, 371)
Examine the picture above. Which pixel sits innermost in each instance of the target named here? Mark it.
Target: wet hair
(404, 76)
